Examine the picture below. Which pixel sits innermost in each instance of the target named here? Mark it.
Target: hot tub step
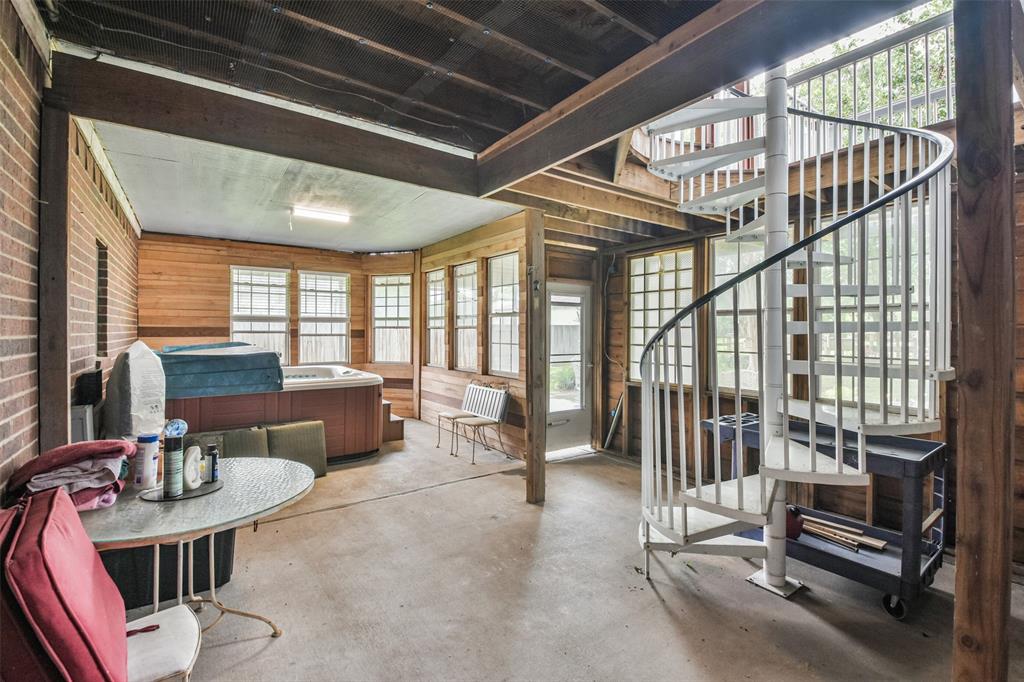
(394, 426)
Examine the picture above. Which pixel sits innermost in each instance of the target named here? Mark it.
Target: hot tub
(346, 400)
(317, 377)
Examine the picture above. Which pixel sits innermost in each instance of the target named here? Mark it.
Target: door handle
(560, 423)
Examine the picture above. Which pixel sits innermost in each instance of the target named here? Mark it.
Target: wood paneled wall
(185, 295)
(98, 219)
(22, 73)
(442, 388)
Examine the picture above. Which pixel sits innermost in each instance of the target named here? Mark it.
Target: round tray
(157, 494)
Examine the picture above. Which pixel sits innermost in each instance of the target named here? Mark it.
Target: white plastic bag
(135, 394)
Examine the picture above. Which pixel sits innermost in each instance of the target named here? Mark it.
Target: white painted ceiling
(185, 186)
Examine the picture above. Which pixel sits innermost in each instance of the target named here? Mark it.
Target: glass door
(569, 366)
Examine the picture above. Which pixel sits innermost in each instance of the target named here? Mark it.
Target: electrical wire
(242, 60)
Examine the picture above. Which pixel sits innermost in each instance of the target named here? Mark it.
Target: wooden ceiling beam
(582, 215)
(102, 91)
(566, 192)
(573, 240)
(426, 65)
(725, 44)
(257, 55)
(584, 230)
(622, 21)
(611, 187)
(495, 33)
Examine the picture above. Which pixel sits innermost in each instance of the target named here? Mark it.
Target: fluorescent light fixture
(317, 214)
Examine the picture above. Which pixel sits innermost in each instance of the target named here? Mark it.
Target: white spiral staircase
(847, 315)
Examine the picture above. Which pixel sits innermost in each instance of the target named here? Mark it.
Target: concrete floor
(416, 565)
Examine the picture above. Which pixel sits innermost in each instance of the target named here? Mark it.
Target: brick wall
(98, 222)
(21, 81)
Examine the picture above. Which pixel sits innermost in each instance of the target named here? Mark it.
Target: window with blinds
(436, 312)
(324, 310)
(466, 301)
(392, 328)
(259, 308)
(503, 301)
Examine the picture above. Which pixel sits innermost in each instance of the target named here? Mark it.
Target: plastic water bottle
(147, 461)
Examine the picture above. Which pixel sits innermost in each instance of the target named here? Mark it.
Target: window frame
(345, 320)
(513, 314)
(456, 327)
(430, 319)
(696, 288)
(286, 318)
(374, 317)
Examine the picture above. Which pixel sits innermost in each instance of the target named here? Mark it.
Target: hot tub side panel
(352, 417)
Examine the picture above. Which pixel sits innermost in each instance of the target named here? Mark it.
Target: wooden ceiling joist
(566, 192)
(102, 91)
(584, 230)
(496, 33)
(533, 101)
(256, 56)
(626, 23)
(573, 240)
(728, 42)
(585, 216)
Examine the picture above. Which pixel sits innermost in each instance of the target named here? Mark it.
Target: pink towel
(101, 493)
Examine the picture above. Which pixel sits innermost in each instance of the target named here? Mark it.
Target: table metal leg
(156, 577)
(227, 609)
(180, 569)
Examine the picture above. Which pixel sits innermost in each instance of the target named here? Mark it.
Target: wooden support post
(536, 356)
(54, 244)
(985, 307)
(419, 298)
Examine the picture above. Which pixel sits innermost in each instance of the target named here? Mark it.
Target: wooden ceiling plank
(257, 54)
(99, 90)
(573, 240)
(455, 75)
(566, 192)
(725, 44)
(582, 215)
(622, 21)
(509, 41)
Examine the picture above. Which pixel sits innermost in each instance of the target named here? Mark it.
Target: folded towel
(97, 498)
(67, 455)
(90, 471)
(87, 473)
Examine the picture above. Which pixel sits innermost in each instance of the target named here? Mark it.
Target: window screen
(259, 308)
(466, 298)
(436, 312)
(324, 304)
(392, 338)
(503, 284)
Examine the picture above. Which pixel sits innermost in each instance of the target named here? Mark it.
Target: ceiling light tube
(317, 214)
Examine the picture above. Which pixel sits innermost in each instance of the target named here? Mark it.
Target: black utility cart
(907, 565)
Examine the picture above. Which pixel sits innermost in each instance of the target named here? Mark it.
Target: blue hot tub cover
(211, 369)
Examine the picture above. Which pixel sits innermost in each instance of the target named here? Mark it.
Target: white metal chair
(486, 407)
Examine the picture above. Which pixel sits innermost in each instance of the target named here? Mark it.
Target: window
(728, 259)
(436, 311)
(392, 337)
(323, 317)
(873, 312)
(465, 317)
(102, 274)
(503, 283)
(660, 285)
(259, 308)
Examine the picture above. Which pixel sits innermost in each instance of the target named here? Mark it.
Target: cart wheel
(895, 607)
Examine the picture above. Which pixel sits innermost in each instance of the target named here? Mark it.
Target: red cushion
(72, 605)
(21, 656)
